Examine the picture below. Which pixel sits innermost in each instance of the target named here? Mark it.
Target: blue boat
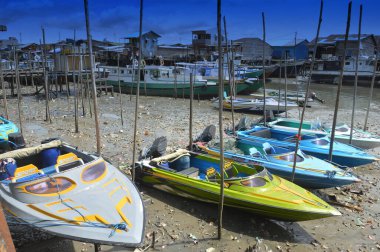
(310, 172)
(6, 127)
(343, 154)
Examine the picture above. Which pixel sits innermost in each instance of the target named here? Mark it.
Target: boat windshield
(320, 142)
(341, 129)
(254, 182)
(290, 157)
(258, 180)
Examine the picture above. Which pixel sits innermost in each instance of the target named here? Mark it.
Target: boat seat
(230, 171)
(212, 174)
(268, 148)
(68, 161)
(192, 172)
(253, 152)
(27, 172)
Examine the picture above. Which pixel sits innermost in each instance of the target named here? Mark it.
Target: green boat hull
(201, 90)
(270, 206)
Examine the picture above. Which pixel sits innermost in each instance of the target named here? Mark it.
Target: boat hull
(344, 155)
(306, 174)
(106, 210)
(360, 139)
(276, 199)
(201, 90)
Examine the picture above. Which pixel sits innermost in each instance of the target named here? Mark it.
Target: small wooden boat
(310, 172)
(6, 127)
(343, 154)
(60, 190)
(360, 138)
(197, 176)
(254, 105)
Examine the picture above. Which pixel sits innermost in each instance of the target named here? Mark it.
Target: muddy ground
(188, 225)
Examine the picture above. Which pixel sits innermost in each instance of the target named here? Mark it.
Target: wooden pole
(137, 92)
(279, 88)
(340, 82)
(264, 84)
(30, 69)
(89, 41)
(231, 75)
(6, 241)
(47, 117)
(83, 89)
(120, 98)
(76, 86)
(221, 87)
(286, 84)
(356, 75)
(55, 71)
(18, 91)
(307, 90)
(4, 90)
(191, 112)
(371, 89)
(295, 72)
(175, 82)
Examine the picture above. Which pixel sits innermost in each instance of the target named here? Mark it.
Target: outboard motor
(16, 141)
(207, 135)
(157, 149)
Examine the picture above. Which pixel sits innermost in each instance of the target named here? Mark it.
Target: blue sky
(175, 19)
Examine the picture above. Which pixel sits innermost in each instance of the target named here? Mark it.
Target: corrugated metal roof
(136, 34)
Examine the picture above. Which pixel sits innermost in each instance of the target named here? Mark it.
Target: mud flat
(188, 225)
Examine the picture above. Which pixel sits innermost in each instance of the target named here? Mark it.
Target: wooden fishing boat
(343, 154)
(310, 172)
(72, 194)
(254, 105)
(360, 138)
(165, 81)
(197, 176)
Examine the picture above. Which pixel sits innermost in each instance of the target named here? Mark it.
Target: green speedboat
(197, 176)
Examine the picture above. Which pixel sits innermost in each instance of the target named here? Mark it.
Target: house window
(347, 63)
(122, 71)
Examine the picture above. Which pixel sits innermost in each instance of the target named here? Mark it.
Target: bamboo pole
(76, 85)
(4, 90)
(46, 85)
(89, 41)
(340, 82)
(120, 98)
(137, 92)
(17, 73)
(221, 143)
(191, 112)
(5, 234)
(371, 89)
(264, 84)
(307, 90)
(231, 72)
(356, 75)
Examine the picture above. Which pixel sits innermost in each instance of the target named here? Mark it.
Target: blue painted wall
(302, 51)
